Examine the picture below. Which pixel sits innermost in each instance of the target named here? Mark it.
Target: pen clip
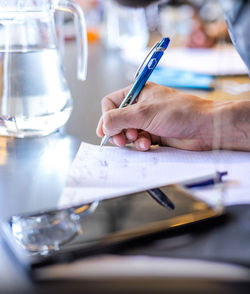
(145, 59)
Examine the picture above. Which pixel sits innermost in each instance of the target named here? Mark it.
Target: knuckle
(143, 114)
(107, 119)
(109, 123)
(142, 109)
(104, 101)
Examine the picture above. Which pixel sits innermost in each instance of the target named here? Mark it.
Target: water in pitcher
(34, 96)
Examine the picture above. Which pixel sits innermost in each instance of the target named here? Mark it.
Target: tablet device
(55, 236)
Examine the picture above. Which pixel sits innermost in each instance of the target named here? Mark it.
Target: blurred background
(194, 23)
(200, 46)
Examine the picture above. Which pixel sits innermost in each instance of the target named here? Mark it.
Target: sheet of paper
(104, 172)
(219, 61)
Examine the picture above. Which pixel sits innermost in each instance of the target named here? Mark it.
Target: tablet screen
(54, 236)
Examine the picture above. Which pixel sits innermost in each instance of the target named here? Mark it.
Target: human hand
(161, 116)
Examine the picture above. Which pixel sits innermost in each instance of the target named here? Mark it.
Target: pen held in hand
(142, 75)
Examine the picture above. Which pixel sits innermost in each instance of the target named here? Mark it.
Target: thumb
(116, 120)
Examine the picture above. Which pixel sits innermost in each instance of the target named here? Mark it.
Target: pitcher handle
(81, 35)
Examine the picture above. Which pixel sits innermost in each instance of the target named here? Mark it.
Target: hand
(160, 116)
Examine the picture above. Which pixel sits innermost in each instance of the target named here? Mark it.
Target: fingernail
(104, 128)
(142, 145)
(115, 141)
(129, 136)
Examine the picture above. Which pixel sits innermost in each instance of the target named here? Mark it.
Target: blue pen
(206, 181)
(160, 197)
(141, 77)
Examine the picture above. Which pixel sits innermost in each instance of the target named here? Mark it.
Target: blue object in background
(182, 79)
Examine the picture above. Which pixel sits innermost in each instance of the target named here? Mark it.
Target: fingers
(99, 129)
(114, 99)
(119, 140)
(122, 125)
(131, 135)
(117, 120)
(125, 137)
(143, 141)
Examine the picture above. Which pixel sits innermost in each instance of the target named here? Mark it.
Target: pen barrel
(143, 76)
(128, 99)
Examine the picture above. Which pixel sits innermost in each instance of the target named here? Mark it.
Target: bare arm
(171, 118)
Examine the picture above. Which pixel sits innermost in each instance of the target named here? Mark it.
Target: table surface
(33, 171)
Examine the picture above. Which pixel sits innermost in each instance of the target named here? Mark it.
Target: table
(33, 171)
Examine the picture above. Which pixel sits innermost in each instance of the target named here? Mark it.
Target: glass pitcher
(34, 96)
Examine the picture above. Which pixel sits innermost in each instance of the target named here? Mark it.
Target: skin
(167, 117)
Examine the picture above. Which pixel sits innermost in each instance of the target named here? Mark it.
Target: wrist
(231, 121)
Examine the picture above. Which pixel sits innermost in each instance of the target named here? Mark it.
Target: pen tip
(104, 140)
(169, 205)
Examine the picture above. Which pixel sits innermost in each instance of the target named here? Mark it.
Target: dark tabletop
(33, 171)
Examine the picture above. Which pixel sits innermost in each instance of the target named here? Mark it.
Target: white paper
(218, 61)
(103, 172)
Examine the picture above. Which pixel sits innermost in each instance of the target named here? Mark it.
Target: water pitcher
(34, 96)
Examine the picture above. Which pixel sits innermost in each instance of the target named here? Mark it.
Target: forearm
(232, 125)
